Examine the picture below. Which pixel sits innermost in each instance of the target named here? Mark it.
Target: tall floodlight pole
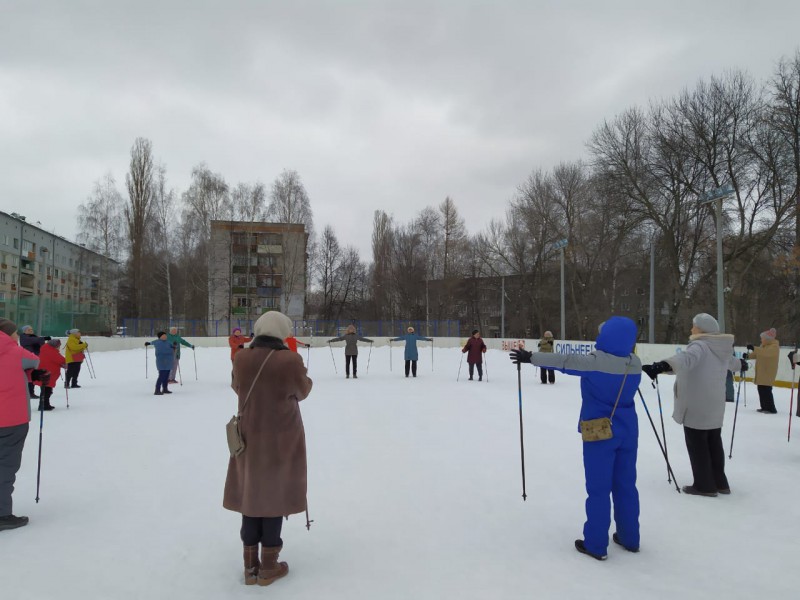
(560, 245)
(717, 195)
(502, 307)
(651, 334)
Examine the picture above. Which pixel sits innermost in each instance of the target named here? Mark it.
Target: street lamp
(40, 325)
(560, 245)
(718, 195)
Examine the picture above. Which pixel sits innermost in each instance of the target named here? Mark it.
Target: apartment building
(255, 267)
(53, 284)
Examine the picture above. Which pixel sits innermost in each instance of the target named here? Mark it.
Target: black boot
(32, 391)
(579, 546)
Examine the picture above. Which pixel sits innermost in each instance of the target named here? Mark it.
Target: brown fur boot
(271, 569)
(251, 564)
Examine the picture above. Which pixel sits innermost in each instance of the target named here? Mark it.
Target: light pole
(560, 245)
(40, 325)
(718, 194)
(651, 337)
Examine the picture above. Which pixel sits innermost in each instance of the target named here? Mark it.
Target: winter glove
(791, 358)
(745, 366)
(241, 346)
(750, 347)
(745, 356)
(192, 347)
(656, 368)
(520, 356)
(47, 338)
(147, 343)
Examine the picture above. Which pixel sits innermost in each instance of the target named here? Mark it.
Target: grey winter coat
(351, 342)
(700, 372)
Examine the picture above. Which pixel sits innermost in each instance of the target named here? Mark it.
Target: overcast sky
(376, 104)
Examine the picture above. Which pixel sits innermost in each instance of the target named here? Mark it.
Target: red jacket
(474, 349)
(50, 360)
(235, 341)
(14, 403)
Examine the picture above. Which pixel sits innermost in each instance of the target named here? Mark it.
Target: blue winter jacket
(411, 344)
(165, 354)
(602, 373)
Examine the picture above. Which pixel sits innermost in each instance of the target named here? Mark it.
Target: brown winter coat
(766, 356)
(268, 479)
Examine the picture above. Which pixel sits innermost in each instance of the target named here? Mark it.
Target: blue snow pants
(610, 467)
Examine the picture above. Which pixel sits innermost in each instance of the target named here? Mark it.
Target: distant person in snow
(32, 343)
(610, 376)
(175, 339)
(165, 356)
(350, 339)
(267, 481)
(699, 393)
(411, 355)
(766, 357)
(51, 361)
(546, 345)
(237, 341)
(475, 349)
(74, 356)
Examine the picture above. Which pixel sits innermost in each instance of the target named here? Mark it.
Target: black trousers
(411, 364)
(73, 370)
(546, 374)
(347, 360)
(12, 440)
(766, 398)
(262, 530)
(472, 368)
(707, 457)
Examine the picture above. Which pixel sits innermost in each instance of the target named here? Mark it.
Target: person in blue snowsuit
(165, 355)
(411, 355)
(612, 371)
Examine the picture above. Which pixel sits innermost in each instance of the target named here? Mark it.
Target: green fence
(54, 317)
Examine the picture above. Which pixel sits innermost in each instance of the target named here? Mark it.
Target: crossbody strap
(261, 368)
(620, 391)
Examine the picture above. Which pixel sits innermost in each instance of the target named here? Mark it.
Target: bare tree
(164, 217)
(139, 181)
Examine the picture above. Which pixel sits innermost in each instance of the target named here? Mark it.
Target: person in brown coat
(475, 349)
(766, 357)
(267, 481)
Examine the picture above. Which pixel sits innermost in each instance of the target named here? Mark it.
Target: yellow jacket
(74, 346)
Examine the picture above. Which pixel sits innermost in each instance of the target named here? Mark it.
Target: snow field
(414, 488)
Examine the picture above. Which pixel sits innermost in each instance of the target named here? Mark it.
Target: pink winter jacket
(14, 402)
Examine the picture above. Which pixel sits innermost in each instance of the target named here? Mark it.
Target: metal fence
(54, 317)
(308, 328)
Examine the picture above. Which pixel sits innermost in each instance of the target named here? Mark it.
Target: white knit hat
(274, 324)
(706, 323)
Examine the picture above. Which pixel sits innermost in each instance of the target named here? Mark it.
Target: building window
(242, 302)
(28, 246)
(16, 244)
(2, 277)
(15, 261)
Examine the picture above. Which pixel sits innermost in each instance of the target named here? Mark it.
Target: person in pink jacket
(15, 414)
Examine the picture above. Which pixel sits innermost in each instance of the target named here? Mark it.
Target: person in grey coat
(699, 392)
(350, 339)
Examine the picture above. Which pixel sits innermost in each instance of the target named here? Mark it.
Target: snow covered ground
(414, 488)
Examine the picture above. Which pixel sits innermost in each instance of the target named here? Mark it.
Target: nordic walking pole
(308, 521)
(66, 390)
(39, 463)
(459, 366)
(736, 413)
(180, 377)
(663, 431)
(655, 433)
(335, 370)
(369, 357)
(145, 362)
(431, 356)
(90, 365)
(390, 356)
(194, 356)
(486, 360)
(521, 438)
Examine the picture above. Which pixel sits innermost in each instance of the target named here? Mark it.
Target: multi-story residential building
(255, 267)
(53, 284)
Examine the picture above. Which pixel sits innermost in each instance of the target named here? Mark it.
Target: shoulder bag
(233, 430)
(597, 430)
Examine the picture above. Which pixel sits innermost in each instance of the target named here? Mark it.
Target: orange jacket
(236, 342)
